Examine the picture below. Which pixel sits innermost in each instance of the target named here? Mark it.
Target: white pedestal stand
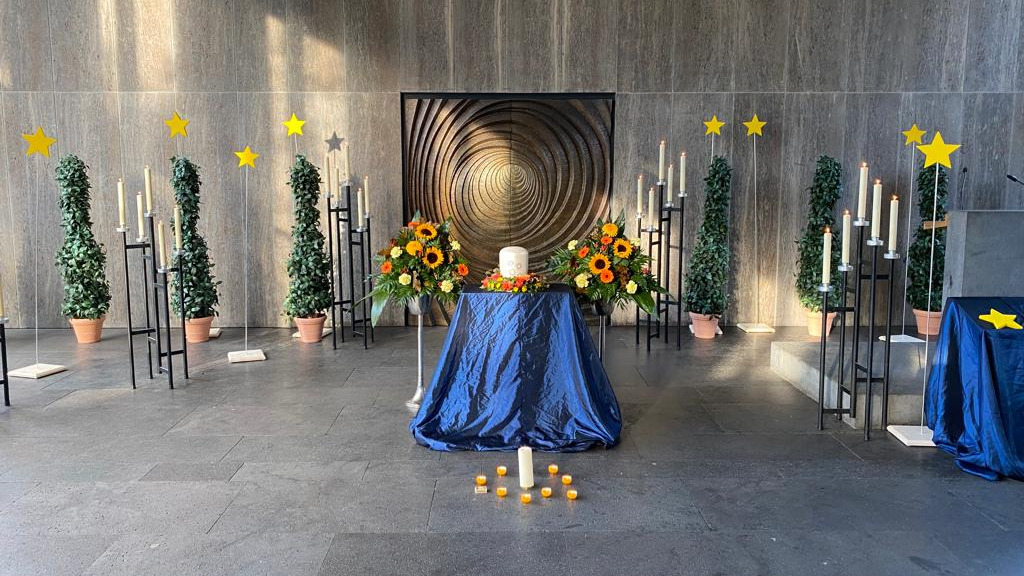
(247, 355)
(418, 306)
(756, 327)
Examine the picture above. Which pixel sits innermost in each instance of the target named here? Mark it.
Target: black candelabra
(3, 360)
(659, 238)
(345, 237)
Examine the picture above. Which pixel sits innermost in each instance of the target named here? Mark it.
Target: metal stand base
(37, 371)
(917, 436)
(897, 338)
(255, 355)
(758, 328)
(326, 332)
(417, 398)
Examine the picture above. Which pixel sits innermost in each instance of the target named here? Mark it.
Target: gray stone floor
(303, 465)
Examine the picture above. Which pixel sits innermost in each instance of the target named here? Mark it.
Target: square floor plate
(327, 332)
(246, 356)
(758, 328)
(215, 332)
(896, 338)
(920, 436)
(36, 371)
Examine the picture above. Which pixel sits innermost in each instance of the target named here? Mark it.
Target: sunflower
(610, 229)
(426, 231)
(385, 268)
(622, 248)
(433, 257)
(599, 263)
(607, 276)
(462, 269)
(414, 248)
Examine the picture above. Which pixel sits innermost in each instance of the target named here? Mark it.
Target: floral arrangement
(608, 268)
(495, 282)
(423, 259)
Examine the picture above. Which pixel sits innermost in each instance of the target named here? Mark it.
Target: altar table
(518, 370)
(975, 396)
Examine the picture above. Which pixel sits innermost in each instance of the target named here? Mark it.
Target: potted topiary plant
(81, 259)
(200, 288)
(923, 276)
(825, 191)
(309, 270)
(706, 280)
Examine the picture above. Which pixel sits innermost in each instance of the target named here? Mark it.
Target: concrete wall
(829, 76)
(984, 253)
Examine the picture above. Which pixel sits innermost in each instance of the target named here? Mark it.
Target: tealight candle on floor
(502, 470)
(481, 480)
(525, 498)
(572, 494)
(552, 469)
(566, 479)
(545, 492)
(501, 491)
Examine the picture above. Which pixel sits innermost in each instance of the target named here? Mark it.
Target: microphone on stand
(1013, 178)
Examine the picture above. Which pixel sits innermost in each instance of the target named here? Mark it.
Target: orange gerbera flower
(414, 248)
(606, 240)
(426, 231)
(462, 269)
(413, 224)
(385, 268)
(583, 252)
(610, 229)
(623, 248)
(607, 276)
(433, 257)
(599, 263)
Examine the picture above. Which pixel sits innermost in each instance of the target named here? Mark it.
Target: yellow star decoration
(937, 151)
(294, 125)
(714, 126)
(913, 135)
(247, 157)
(177, 125)
(1000, 320)
(754, 126)
(38, 143)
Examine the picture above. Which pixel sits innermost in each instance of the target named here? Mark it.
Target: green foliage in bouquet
(193, 260)
(80, 258)
(920, 250)
(607, 267)
(825, 191)
(422, 259)
(309, 267)
(708, 275)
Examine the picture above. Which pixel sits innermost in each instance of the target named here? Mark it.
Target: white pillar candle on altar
(639, 195)
(668, 185)
(148, 177)
(138, 205)
(361, 208)
(826, 257)
(161, 245)
(346, 171)
(876, 209)
(525, 467)
(177, 228)
(661, 161)
(894, 208)
(846, 237)
(120, 204)
(652, 201)
(862, 192)
(327, 175)
(682, 172)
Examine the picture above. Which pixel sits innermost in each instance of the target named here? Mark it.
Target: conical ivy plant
(920, 253)
(825, 191)
(80, 258)
(200, 287)
(309, 269)
(708, 277)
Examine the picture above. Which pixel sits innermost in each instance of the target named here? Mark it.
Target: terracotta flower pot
(704, 325)
(311, 330)
(928, 323)
(198, 329)
(814, 323)
(87, 330)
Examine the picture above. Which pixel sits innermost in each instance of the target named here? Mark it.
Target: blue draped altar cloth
(975, 397)
(518, 370)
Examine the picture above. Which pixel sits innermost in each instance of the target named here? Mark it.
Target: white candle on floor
(525, 467)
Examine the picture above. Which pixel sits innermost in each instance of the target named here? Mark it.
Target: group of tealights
(526, 479)
(862, 209)
(163, 253)
(652, 195)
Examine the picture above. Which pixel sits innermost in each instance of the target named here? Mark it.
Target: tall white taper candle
(652, 201)
(525, 467)
(894, 209)
(138, 205)
(177, 228)
(3, 313)
(366, 192)
(639, 195)
(668, 185)
(661, 161)
(120, 204)
(346, 171)
(876, 209)
(161, 245)
(846, 236)
(327, 175)
(862, 192)
(148, 177)
(682, 172)
(361, 208)
(826, 257)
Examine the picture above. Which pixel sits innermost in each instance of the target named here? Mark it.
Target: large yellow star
(754, 126)
(1000, 320)
(714, 126)
(937, 151)
(294, 125)
(38, 143)
(177, 125)
(913, 135)
(246, 157)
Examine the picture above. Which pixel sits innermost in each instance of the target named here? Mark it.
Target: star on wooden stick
(294, 125)
(913, 135)
(177, 125)
(754, 126)
(1000, 320)
(714, 126)
(937, 151)
(38, 143)
(333, 143)
(247, 157)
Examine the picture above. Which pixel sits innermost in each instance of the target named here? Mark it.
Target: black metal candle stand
(142, 245)
(345, 237)
(660, 238)
(3, 361)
